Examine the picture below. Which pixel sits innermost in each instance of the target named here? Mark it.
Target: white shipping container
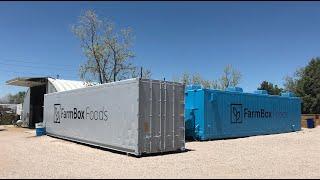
(137, 116)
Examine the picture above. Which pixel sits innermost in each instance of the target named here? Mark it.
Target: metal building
(32, 107)
(216, 114)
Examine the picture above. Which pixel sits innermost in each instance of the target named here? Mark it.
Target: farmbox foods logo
(76, 113)
(238, 113)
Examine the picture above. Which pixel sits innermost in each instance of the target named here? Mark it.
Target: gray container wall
(134, 116)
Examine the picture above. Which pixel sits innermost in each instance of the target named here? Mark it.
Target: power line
(32, 62)
(37, 68)
(33, 69)
(24, 73)
(20, 72)
(28, 66)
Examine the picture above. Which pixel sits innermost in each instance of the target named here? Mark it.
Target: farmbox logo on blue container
(236, 113)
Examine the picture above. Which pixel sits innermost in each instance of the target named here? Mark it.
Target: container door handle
(211, 97)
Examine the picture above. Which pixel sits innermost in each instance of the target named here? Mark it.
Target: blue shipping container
(216, 114)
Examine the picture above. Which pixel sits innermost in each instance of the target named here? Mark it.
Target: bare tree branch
(108, 52)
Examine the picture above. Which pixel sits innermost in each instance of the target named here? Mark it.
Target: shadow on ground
(190, 139)
(28, 137)
(123, 153)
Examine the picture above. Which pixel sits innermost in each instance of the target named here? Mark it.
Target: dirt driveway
(290, 155)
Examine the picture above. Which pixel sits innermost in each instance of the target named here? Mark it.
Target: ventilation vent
(288, 94)
(193, 87)
(234, 89)
(261, 92)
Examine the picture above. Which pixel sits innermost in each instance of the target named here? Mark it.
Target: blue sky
(263, 40)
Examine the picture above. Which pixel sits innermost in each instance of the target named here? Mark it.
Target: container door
(209, 114)
(149, 114)
(189, 123)
(173, 117)
(172, 120)
(157, 113)
(161, 113)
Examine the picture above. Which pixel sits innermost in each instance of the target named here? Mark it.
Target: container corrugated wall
(161, 116)
(214, 114)
(139, 116)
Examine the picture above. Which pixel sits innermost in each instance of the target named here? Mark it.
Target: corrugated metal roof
(64, 85)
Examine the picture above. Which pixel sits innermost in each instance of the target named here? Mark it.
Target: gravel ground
(290, 155)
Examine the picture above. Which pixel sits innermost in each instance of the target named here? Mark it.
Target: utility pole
(141, 72)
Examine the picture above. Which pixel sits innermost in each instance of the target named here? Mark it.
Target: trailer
(217, 114)
(136, 116)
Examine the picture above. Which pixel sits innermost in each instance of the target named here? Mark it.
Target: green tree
(291, 82)
(270, 88)
(306, 84)
(308, 87)
(13, 98)
(18, 98)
